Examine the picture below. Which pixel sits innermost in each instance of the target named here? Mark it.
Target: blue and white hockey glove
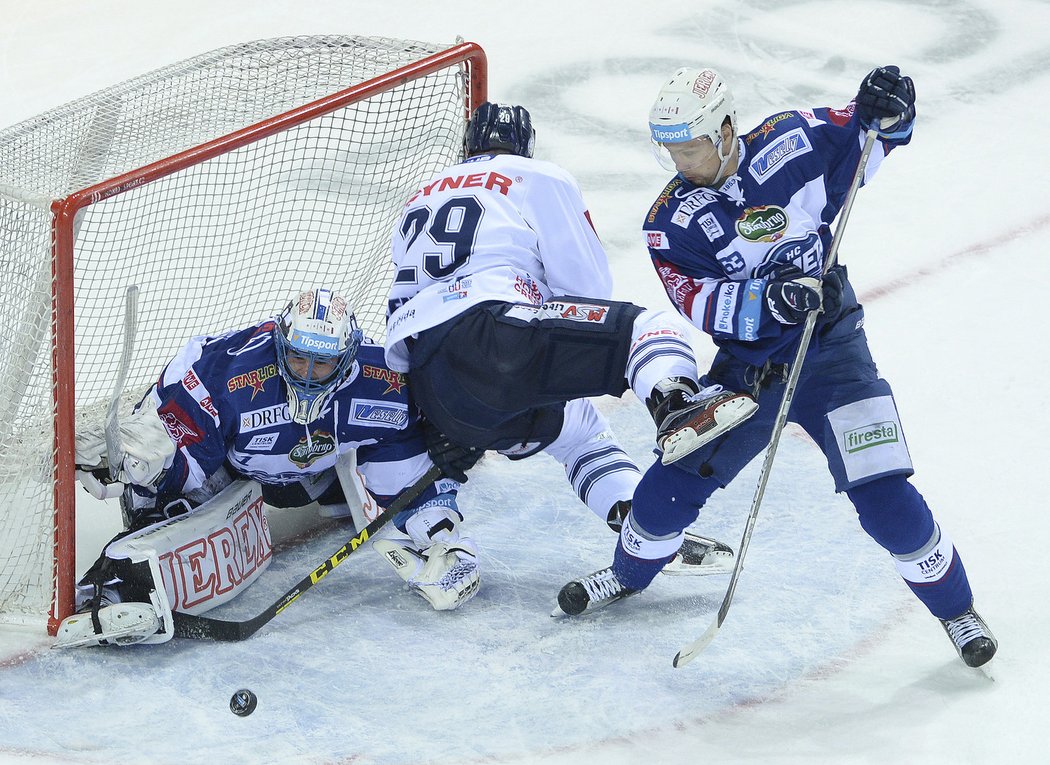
(886, 102)
(790, 301)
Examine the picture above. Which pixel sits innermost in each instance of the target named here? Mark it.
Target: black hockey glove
(790, 300)
(886, 101)
(453, 459)
(831, 290)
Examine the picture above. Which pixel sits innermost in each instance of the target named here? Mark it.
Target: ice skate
(117, 624)
(972, 639)
(688, 417)
(591, 593)
(698, 555)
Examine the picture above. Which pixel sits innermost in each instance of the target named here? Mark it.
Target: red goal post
(329, 136)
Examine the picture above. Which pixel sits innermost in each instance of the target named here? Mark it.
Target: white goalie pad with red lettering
(205, 557)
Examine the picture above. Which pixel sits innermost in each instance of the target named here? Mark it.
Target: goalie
(279, 412)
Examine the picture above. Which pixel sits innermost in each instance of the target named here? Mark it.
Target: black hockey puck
(243, 702)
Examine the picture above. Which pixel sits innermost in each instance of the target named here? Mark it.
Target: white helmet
(692, 104)
(317, 327)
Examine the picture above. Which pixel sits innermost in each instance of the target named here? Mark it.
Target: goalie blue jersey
(224, 403)
(715, 249)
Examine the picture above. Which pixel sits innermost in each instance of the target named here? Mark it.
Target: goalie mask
(316, 338)
(693, 104)
(500, 128)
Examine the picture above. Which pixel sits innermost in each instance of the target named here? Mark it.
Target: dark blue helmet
(500, 128)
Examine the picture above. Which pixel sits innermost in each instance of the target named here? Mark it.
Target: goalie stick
(207, 628)
(690, 651)
(114, 447)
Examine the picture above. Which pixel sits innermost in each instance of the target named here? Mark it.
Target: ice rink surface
(825, 656)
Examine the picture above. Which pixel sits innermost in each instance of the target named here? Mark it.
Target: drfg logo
(871, 435)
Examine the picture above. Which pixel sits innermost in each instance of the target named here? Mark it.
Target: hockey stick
(206, 628)
(690, 651)
(114, 446)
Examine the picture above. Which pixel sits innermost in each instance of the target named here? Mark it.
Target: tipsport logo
(671, 133)
(876, 434)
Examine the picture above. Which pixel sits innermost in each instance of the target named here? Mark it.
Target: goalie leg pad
(436, 562)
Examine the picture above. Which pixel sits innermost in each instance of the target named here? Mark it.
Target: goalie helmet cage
(219, 186)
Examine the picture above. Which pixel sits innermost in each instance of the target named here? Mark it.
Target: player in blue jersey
(282, 402)
(738, 238)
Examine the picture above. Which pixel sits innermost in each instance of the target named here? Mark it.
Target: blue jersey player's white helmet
(317, 338)
(693, 104)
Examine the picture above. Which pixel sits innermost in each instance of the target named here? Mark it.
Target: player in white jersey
(500, 314)
(738, 238)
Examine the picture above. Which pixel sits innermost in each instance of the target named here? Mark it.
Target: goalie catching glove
(439, 564)
(148, 450)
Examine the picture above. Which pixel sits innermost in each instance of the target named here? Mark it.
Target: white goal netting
(212, 245)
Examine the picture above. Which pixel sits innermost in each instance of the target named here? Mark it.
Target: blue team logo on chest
(380, 414)
(805, 253)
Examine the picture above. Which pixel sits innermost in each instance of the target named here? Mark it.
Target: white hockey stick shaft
(114, 447)
(690, 651)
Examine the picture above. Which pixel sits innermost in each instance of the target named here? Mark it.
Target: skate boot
(688, 417)
(973, 640)
(698, 555)
(590, 593)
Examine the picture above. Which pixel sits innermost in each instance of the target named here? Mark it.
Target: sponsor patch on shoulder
(656, 240)
(381, 414)
(791, 145)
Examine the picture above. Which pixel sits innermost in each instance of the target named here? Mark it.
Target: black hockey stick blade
(207, 628)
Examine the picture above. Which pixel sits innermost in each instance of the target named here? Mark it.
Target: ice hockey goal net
(218, 186)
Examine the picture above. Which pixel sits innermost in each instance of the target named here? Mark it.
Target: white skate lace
(602, 585)
(704, 393)
(964, 628)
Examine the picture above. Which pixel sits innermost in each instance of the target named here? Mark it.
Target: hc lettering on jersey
(767, 162)
(806, 254)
